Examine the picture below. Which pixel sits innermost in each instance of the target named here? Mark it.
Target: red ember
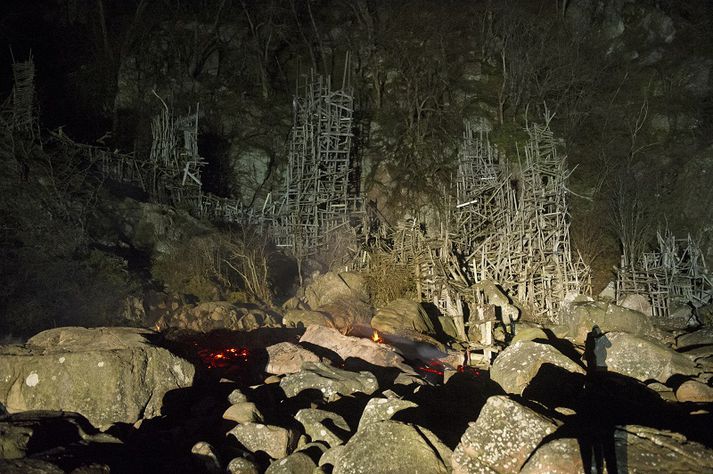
(437, 367)
(225, 357)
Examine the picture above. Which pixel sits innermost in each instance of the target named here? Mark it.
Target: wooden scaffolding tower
(516, 229)
(675, 273)
(318, 196)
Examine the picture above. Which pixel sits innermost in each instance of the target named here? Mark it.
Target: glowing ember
(376, 338)
(222, 358)
(437, 367)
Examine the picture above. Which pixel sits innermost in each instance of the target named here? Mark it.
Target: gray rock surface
(501, 439)
(380, 409)
(295, 463)
(560, 456)
(108, 375)
(640, 358)
(344, 296)
(517, 365)
(402, 314)
(330, 381)
(694, 391)
(242, 466)
(383, 446)
(701, 337)
(276, 441)
(318, 425)
(287, 358)
(345, 347)
(637, 448)
(581, 317)
(243, 412)
(296, 318)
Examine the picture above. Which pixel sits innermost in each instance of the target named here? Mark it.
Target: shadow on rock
(447, 409)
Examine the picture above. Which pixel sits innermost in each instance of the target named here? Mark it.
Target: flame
(376, 338)
(224, 358)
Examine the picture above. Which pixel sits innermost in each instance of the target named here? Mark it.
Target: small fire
(224, 358)
(376, 338)
(437, 367)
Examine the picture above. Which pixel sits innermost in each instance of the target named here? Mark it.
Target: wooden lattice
(675, 273)
(318, 198)
(516, 229)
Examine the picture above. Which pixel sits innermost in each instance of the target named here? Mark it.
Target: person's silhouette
(596, 441)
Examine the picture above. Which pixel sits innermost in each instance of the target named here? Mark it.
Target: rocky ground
(628, 397)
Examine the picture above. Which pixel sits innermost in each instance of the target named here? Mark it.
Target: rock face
(694, 391)
(108, 375)
(561, 456)
(385, 445)
(581, 317)
(303, 318)
(517, 365)
(636, 448)
(344, 296)
(295, 463)
(380, 409)
(287, 358)
(273, 440)
(402, 314)
(702, 337)
(640, 358)
(320, 425)
(357, 347)
(328, 380)
(206, 317)
(501, 439)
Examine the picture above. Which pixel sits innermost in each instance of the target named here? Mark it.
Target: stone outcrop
(384, 445)
(635, 449)
(501, 439)
(402, 314)
(287, 358)
(343, 296)
(582, 317)
(517, 365)
(381, 409)
(324, 426)
(332, 382)
(640, 358)
(108, 375)
(354, 347)
(276, 441)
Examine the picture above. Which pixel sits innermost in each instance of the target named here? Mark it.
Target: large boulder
(640, 358)
(502, 438)
(344, 296)
(402, 314)
(296, 318)
(330, 381)
(517, 365)
(215, 315)
(287, 358)
(559, 456)
(31, 432)
(380, 409)
(108, 375)
(276, 441)
(355, 347)
(694, 391)
(321, 425)
(636, 448)
(382, 446)
(582, 317)
(701, 337)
